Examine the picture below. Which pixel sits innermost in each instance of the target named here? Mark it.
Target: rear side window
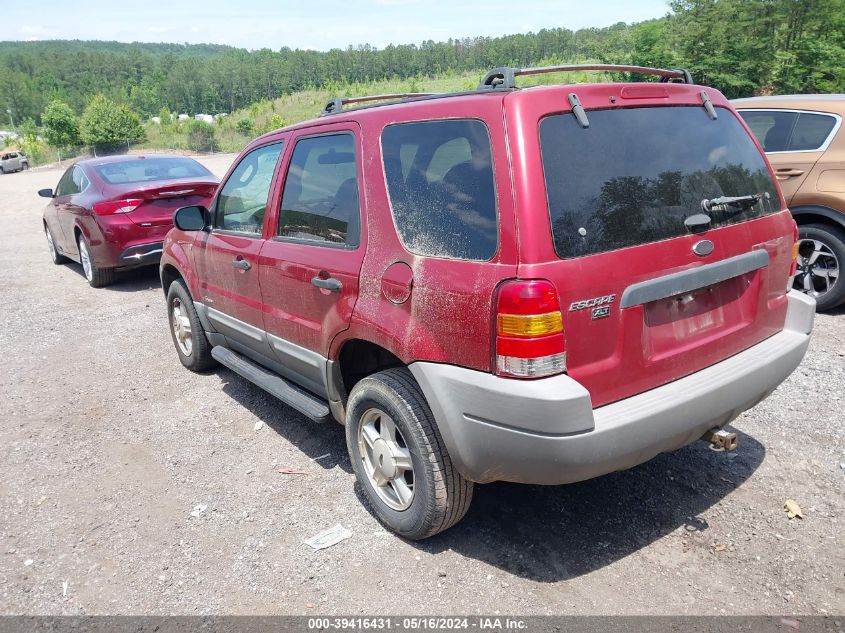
(73, 181)
(143, 169)
(636, 174)
(787, 131)
(811, 131)
(320, 199)
(441, 187)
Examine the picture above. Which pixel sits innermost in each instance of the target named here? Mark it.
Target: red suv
(535, 285)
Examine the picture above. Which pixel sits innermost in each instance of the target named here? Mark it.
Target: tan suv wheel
(821, 254)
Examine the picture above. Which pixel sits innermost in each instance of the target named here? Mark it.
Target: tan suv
(803, 141)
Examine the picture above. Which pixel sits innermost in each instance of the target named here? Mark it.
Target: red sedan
(112, 213)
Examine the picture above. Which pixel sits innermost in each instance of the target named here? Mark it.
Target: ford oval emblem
(703, 248)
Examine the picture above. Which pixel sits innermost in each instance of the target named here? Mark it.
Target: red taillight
(529, 330)
(117, 206)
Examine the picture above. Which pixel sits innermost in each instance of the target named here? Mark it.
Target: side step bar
(292, 395)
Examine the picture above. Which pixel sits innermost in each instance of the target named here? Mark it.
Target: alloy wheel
(181, 327)
(50, 245)
(818, 268)
(85, 258)
(387, 460)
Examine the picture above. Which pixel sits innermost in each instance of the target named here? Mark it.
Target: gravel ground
(108, 444)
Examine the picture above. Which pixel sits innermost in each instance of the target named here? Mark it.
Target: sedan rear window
(440, 182)
(142, 169)
(635, 174)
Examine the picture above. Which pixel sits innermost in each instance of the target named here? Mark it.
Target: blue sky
(318, 25)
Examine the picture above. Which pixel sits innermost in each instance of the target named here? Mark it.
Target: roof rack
(336, 105)
(505, 77)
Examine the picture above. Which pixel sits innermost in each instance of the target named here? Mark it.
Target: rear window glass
(141, 169)
(636, 174)
(441, 187)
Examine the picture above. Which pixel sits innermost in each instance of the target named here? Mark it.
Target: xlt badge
(595, 302)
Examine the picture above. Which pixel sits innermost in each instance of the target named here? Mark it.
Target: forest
(742, 47)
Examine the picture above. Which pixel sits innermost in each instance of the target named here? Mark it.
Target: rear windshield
(141, 169)
(634, 175)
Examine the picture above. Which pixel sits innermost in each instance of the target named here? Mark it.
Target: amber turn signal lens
(530, 324)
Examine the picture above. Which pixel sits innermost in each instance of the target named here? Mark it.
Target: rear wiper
(740, 202)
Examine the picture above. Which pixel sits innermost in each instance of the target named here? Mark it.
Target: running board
(292, 395)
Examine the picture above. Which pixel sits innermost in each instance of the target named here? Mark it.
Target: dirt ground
(108, 445)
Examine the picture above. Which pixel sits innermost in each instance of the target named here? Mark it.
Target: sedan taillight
(117, 206)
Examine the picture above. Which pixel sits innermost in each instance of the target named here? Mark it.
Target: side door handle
(331, 284)
(241, 264)
(783, 174)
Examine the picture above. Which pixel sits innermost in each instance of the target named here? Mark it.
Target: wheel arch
(810, 214)
(168, 274)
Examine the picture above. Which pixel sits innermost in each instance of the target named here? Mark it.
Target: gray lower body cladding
(546, 431)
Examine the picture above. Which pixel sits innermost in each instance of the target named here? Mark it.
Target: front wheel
(97, 277)
(56, 257)
(821, 253)
(399, 457)
(186, 329)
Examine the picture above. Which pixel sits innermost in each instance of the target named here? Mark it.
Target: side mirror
(190, 218)
(46, 193)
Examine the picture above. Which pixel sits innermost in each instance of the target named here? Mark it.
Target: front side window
(635, 174)
(441, 186)
(320, 200)
(242, 202)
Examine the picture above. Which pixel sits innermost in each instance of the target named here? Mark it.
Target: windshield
(144, 169)
(636, 174)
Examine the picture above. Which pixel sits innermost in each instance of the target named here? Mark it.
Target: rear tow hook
(720, 439)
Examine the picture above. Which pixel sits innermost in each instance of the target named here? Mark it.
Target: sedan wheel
(85, 260)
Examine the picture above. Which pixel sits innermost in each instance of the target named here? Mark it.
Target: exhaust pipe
(720, 439)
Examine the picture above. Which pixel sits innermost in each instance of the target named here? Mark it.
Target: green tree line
(742, 47)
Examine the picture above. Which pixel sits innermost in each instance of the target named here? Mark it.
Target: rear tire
(186, 330)
(390, 431)
(821, 256)
(56, 257)
(97, 277)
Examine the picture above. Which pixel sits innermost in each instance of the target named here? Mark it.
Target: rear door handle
(331, 284)
(241, 264)
(782, 174)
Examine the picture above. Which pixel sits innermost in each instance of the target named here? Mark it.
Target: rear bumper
(141, 254)
(546, 431)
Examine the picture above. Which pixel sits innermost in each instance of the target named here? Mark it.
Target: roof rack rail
(505, 77)
(336, 105)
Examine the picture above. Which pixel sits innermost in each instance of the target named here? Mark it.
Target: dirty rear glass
(440, 182)
(634, 175)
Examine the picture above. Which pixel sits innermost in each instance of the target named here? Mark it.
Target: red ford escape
(537, 285)
(113, 213)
